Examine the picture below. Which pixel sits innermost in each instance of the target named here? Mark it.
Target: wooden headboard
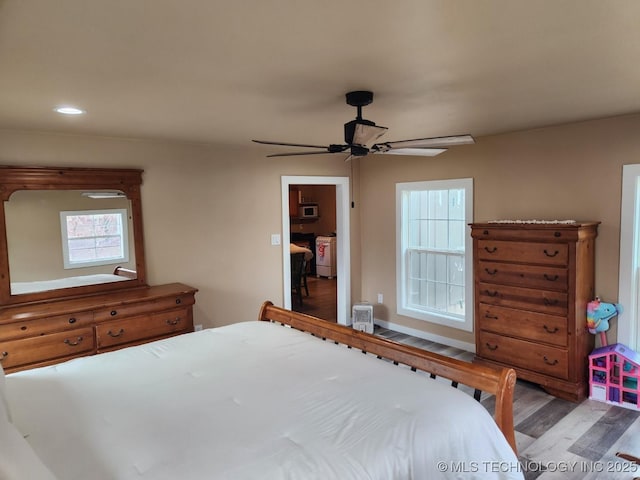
(496, 381)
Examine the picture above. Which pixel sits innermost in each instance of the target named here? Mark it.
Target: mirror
(69, 232)
(38, 259)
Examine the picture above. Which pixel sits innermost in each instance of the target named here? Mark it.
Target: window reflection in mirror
(35, 240)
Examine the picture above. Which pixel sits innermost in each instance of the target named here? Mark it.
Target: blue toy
(598, 316)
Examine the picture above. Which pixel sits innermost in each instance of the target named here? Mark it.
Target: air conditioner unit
(362, 317)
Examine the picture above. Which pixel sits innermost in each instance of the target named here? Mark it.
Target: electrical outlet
(197, 327)
(380, 298)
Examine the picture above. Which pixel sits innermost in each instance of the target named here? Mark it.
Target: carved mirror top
(33, 271)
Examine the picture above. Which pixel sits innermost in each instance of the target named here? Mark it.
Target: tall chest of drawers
(42, 334)
(532, 285)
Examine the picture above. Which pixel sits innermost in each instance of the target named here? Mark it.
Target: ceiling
(224, 72)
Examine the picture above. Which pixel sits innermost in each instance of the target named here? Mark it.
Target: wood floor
(322, 299)
(556, 439)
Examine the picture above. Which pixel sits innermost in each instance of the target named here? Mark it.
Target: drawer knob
(173, 322)
(491, 347)
(117, 334)
(550, 302)
(549, 362)
(23, 328)
(557, 234)
(114, 313)
(72, 320)
(72, 343)
(491, 317)
(491, 250)
(491, 294)
(548, 254)
(3, 355)
(551, 278)
(178, 301)
(491, 272)
(485, 232)
(548, 330)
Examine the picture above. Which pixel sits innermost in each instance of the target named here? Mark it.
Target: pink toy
(614, 371)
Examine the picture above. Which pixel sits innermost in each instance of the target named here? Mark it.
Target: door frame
(629, 268)
(343, 242)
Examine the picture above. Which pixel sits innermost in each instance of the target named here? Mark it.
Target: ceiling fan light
(422, 152)
(365, 134)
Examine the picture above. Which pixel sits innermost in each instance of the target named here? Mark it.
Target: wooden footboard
(496, 381)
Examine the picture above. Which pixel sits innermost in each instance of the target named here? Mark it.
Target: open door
(342, 240)
(312, 213)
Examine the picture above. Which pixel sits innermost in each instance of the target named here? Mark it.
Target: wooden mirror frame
(128, 181)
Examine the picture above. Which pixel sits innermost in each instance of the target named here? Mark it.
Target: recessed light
(67, 110)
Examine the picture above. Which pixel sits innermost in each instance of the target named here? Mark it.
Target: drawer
(550, 278)
(523, 252)
(528, 232)
(527, 355)
(523, 324)
(46, 347)
(544, 301)
(45, 325)
(132, 329)
(157, 305)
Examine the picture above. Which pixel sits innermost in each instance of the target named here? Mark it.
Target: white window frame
(629, 271)
(68, 264)
(461, 322)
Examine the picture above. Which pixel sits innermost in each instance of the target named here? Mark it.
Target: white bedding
(251, 401)
(18, 288)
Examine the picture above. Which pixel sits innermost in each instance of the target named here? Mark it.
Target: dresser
(532, 285)
(33, 335)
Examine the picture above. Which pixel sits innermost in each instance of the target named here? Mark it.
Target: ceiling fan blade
(434, 142)
(421, 152)
(365, 134)
(292, 154)
(266, 142)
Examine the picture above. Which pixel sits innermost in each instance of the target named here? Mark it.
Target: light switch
(275, 239)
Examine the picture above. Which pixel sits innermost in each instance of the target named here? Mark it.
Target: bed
(286, 397)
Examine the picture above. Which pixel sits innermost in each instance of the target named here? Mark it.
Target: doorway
(342, 244)
(312, 212)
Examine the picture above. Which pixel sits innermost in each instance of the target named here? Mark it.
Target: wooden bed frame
(496, 381)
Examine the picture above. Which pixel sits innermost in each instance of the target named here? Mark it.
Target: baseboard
(469, 347)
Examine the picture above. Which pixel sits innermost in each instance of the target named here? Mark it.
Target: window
(629, 276)
(433, 244)
(95, 237)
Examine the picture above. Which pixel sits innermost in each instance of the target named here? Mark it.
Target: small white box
(362, 317)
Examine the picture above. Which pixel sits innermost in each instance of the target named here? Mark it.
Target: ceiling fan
(360, 132)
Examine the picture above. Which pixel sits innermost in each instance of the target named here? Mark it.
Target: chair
(298, 266)
(304, 278)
